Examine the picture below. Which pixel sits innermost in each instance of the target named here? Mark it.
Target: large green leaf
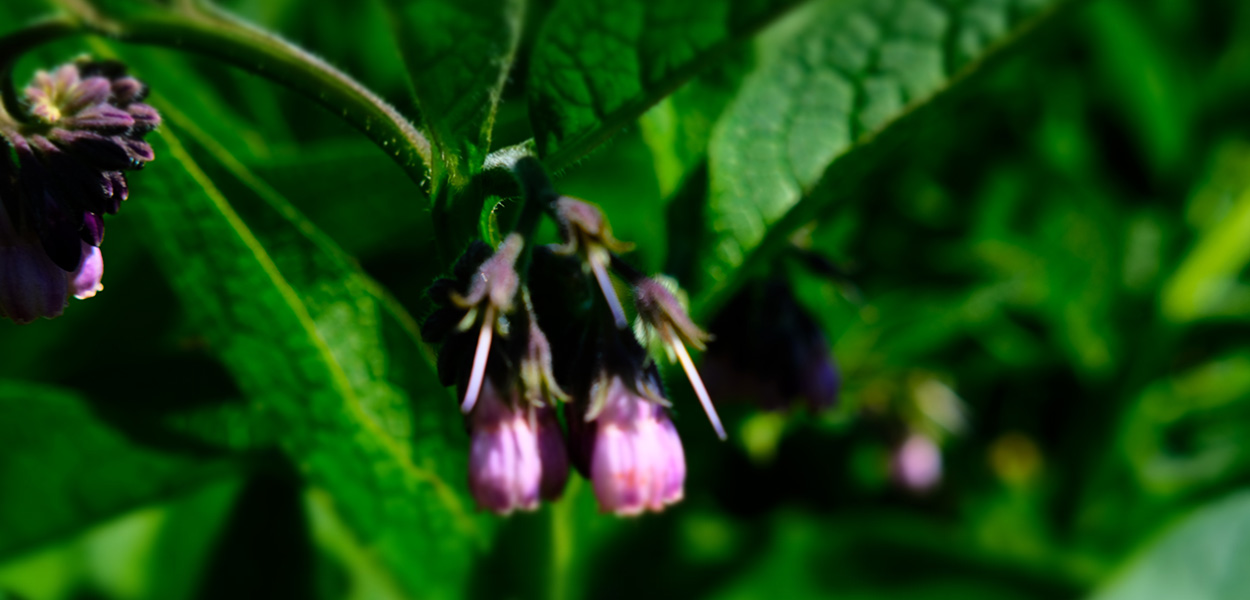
(1203, 558)
(834, 79)
(307, 336)
(64, 468)
(599, 64)
(459, 54)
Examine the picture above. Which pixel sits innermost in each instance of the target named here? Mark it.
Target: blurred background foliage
(1046, 274)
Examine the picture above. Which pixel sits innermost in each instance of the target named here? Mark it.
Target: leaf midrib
(338, 378)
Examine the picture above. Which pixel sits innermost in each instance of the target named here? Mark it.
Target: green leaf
(307, 336)
(1209, 282)
(1187, 432)
(678, 128)
(1201, 558)
(459, 54)
(600, 64)
(834, 79)
(64, 468)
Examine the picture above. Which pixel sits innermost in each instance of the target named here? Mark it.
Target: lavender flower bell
(500, 361)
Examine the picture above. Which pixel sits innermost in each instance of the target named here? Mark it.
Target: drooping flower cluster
(530, 333)
(82, 128)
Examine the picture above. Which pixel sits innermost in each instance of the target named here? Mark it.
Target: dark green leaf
(310, 338)
(836, 78)
(600, 64)
(65, 469)
(459, 54)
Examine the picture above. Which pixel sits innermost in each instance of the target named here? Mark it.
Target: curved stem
(14, 45)
(226, 38)
(219, 35)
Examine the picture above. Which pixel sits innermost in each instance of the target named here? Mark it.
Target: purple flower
(917, 463)
(84, 125)
(501, 363)
(664, 318)
(635, 458)
(517, 454)
(770, 349)
(31, 285)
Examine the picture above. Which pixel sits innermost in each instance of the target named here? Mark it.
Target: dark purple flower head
(517, 453)
(481, 301)
(31, 285)
(84, 124)
(768, 347)
(588, 234)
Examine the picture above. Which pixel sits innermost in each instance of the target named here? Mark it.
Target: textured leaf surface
(64, 468)
(306, 336)
(459, 54)
(835, 78)
(600, 64)
(1203, 558)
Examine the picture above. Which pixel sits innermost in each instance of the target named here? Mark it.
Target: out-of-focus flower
(31, 285)
(917, 463)
(770, 349)
(84, 125)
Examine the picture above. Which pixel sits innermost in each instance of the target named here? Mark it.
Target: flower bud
(587, 233)
(551, 453)
(664, 318)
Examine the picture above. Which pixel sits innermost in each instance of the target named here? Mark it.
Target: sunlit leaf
(838, 77)
(306, 336)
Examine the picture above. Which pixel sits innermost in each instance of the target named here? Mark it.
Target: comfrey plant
(554, 351)
(491, 318)
(61, 170)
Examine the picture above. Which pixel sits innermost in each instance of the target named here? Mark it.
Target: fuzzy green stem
(226, 38)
